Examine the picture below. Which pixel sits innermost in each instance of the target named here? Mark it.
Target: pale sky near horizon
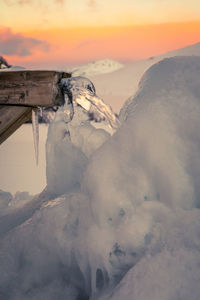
(33, 30)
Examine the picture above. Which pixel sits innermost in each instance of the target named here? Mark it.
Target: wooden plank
(31, 88)
(11, 118)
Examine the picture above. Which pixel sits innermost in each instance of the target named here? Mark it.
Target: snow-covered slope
(192, 50)
(130, 228)
(97, 67)
(119, 85)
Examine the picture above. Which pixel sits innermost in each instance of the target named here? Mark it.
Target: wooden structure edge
(23, 90)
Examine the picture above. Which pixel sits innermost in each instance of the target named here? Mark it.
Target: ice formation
(81, 91)
(127, 225)
(72, 138)
(35, 127)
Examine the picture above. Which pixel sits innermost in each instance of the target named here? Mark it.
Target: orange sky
(59, 33)
(74, 46)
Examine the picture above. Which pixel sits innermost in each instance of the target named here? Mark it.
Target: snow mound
(97, 67)
(129, 226)
(116, 87)
(192, 50)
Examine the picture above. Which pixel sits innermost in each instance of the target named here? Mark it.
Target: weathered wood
(11, 118)
(31, 88)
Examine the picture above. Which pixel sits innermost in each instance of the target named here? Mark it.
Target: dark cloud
(17, 44)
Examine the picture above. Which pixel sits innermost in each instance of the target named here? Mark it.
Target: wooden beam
(11, 118)
(31, 88)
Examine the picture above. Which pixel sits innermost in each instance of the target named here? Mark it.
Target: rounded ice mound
(152, 170)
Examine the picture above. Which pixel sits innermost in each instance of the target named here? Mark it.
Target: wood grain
(31, 88)
(11, 118)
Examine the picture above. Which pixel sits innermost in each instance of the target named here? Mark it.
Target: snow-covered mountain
(97, 67)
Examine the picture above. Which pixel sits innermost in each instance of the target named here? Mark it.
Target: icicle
(35, 127)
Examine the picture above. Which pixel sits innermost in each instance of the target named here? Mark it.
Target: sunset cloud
(72, 46)
(17, 44)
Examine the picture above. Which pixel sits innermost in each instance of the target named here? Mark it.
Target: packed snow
(120, 221)
(115, 87)
(97, 67)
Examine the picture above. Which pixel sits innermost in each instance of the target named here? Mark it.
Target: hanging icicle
(35, 127)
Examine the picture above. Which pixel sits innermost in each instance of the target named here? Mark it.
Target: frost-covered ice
(72, 138)
(129, 226)
(35, 126)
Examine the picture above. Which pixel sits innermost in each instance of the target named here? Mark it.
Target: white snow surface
(115, 87)
(96, 67)
(128, 227)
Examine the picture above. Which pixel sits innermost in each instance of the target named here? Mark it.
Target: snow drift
(121, 84)
(129, 229)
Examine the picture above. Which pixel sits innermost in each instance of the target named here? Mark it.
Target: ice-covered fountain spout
(72, 135)
(80, 91)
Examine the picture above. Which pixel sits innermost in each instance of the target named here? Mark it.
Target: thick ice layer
(70, 143)
(131, 228)
(35, 126)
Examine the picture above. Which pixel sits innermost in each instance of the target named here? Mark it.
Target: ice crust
(121, 221)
